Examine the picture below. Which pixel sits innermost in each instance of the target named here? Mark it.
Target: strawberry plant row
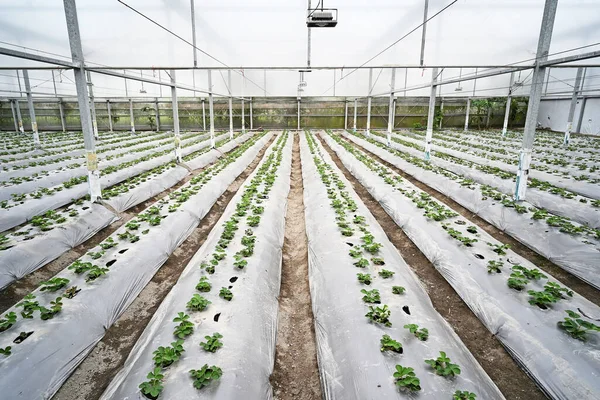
(377, 330)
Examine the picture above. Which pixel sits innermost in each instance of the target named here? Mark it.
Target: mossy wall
(268, 113)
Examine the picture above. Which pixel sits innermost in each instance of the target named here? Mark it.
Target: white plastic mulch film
(351, 363)
(565, 368)
(27, 256)
(57, 345)
(571, 253)
(248, 323)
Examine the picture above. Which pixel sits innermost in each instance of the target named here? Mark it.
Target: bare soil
(512, 381)
(296, 373)
(93, 375)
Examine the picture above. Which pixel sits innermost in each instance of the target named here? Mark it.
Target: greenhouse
(298, 200)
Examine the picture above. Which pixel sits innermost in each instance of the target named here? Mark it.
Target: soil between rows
(512, 381)
(92, 376)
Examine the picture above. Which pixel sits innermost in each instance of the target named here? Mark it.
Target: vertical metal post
(308, 47)
(19, 82)
(334, 83)
(19, 117)
(126, 91)
(368, 132)
(391, 107)
(109, 111)
(581, 112)
(251, 122)
(576, 89)
(157, 114)
(265, 83)
(83, 100)
(231, 103)
(424, 31)
(92, 104)
(535, 95)
(405, 80)
(14, 115)
(61, 111)
(475, 82)
(467, 114)
(441, 111)
(243, 105)
(547, 81)
(203, 116)
(194, 34)
(36, 135)
(508, 100)
(430, 115)
(160, 80)
(175, 107)
(345, 114)
(131, 118)
(298, 113)
(211, 110)
(355, 108)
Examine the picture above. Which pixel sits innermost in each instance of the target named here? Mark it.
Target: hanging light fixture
(142, 90)
(459, 88)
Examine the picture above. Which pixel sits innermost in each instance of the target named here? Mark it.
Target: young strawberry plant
(377, 261)
(443, 366)
(494, 266)
(203, 285)
(95, 272)
(54, 284)
(406, 379)
(225, 294)
(80, 267)
(204, 376)
(499, 249)
(56, 307)
(533, 274)
(463, 395)
(362, 263)
(7, 321)
(165, 356)
(371, 296)
(386, 274)
(389, 344)
(420, 333)
(153, 387)
(198, 303)
(185, 327)
(5, 351)
(576, 326)
(29, 305)
(398, 289)
(364, 278)
(557, 291)
(517, 281)
(212, 343)
(380, 315)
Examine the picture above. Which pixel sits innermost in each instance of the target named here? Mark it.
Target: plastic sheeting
(569, 252)
(564, 367)
(350, 361)
(248, 323)
(28, 256)
(58, 345)
(582, 188)
(582, 213)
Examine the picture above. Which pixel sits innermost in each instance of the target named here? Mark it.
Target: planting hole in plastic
(111, 262)
(406, 309)
(229, 287)
(216, 318)
(233, 279)
(479, 256)
(123, 251)
(84, 208)
(350, 244)
(22, 336)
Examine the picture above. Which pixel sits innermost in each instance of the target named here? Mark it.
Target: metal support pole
(131, 118)
(231, 103)
(441, 111)
(345, 114)
(355, 108)
(109, 111)
(265, 83)
(83, 100)
(61, 111)
(251, 122)
(535, 95)
(424, 31)
(203, 116)
(308, 46)
(394, 114)
(334, 77)
(368, 132)
(19, 117)
(467, 114)
(430, 115)
(19, 82)
(298, 113)
(508, 100)
(576, 89)
(126, 91)
(160, 80)
(92, 104)
(391, 108)
(581, 112)
(194, 34)
(175, 107)
(36, 135)
(14, 115)
(157, 114)
(405, 80)
(475, 82)
(211, 110)
(547, 81)
(244, 105)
